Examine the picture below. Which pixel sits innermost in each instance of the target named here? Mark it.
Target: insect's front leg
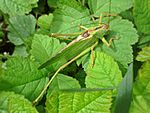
(83, 27)
(109, 14)
(105, 15)
(108, 43)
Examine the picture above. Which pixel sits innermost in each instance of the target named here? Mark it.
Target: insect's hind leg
(109, 14)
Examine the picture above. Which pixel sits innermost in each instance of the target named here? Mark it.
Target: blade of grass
(123, 99)
(87, 89)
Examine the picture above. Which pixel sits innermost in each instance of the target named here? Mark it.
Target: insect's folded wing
(70, 52)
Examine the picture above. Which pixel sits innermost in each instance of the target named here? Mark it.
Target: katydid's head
(101, 30)
(102, 27)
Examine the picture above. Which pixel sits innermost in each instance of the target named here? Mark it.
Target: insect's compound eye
(86, 34)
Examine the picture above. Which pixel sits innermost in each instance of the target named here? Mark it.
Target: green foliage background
(117, 83)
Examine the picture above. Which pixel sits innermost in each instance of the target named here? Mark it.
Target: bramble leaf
(127, 14)
(44, 23)
(14, 103)
(141, 91)
(63, 101)
(144, 55)
(22, 76)
(52, 3)
(60, 82)
(69, 16)
(20, 51)
(104, 6)
(141, 14)
(144, 41)
(21, 28)
(85, 102)
(17, 7)
(104, 74)
(121, 49)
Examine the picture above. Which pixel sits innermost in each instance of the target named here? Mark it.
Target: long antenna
(109, 12)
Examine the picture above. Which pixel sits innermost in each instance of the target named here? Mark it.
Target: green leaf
(144, 41)
(141, 13)
(141, 91)
(123, 99)
(104, 74)
(52, 3)
(127, 14)
(20, 51)
(1, 32)
(72, 102)
(21, 28)
(1, 68)
(14, 103)
(69, 16)
(85, 102)
(62, 82)
(22, 76)
(41, 108)
(121, 49)
(44, 21)
(144, 55)
(45, 47)
(52, 103)
(83, 60)
(103, 6)
(80, 76)
(17, 7)
(41, 9)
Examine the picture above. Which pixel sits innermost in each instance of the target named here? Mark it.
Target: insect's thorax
(98, 31)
